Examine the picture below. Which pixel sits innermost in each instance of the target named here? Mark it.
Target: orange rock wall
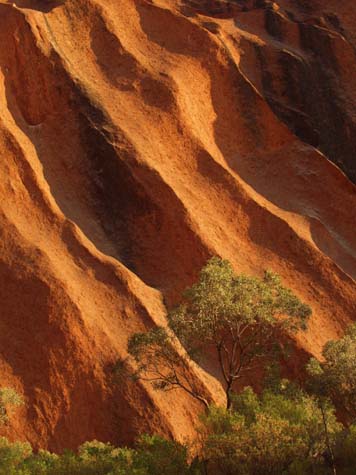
(137, 139)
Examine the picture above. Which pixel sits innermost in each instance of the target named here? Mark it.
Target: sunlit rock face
(138, 139)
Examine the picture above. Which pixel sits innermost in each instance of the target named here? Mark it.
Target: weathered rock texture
(139, 138)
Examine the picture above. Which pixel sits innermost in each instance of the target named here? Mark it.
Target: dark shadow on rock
(44, 6)
(330, 246)
(123, 206)
(238, 118)
(311, 100)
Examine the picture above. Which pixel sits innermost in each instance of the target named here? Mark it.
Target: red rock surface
(139, 138)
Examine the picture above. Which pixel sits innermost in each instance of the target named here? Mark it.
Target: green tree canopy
(240, 317)
(335, 376)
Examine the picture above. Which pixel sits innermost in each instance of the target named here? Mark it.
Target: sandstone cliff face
(139, 138)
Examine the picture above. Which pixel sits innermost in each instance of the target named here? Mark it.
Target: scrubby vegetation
(280, 431)
(149, 457)
(284, 429)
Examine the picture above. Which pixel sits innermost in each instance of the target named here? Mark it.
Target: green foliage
(279, 432)
(222, 301)
(156, 357)
(9, 399)
(238, 315)
(159, 362)
(335, 377)
(151, 456)
(345, 450)
(276, 433)
(155, 453)
(11, 456)
(42, 463)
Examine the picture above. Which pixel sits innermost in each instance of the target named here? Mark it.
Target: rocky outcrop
(137, 139)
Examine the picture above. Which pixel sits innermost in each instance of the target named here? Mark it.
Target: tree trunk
(204, 401)
(327, 439)
(228, 394)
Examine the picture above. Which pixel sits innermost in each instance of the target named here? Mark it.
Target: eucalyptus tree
(239, 317)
